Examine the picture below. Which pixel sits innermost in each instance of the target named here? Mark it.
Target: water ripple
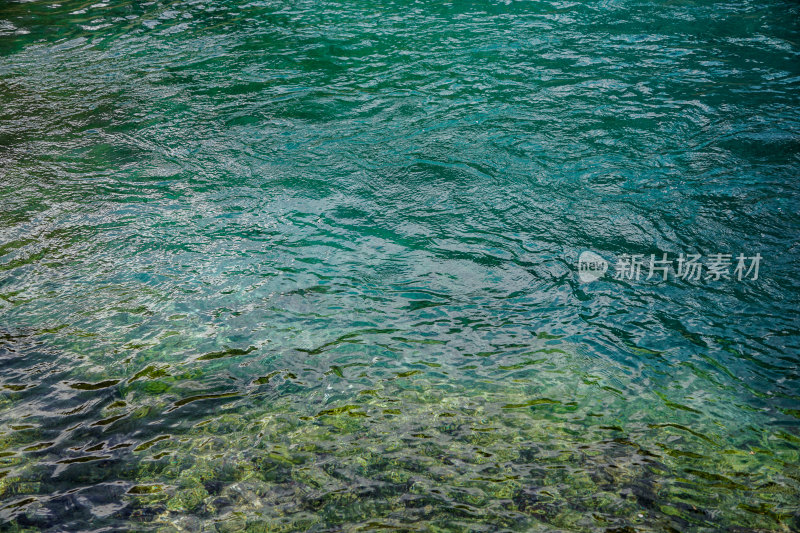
(311, 266)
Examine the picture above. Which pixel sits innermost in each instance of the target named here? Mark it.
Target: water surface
(312, 265)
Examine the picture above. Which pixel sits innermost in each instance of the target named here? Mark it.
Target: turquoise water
(313, 266)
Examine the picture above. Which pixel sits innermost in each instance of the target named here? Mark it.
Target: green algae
(304, 458)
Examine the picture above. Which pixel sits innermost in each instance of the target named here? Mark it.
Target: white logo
(591, 266)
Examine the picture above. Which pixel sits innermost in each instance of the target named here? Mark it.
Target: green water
(312, 265)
